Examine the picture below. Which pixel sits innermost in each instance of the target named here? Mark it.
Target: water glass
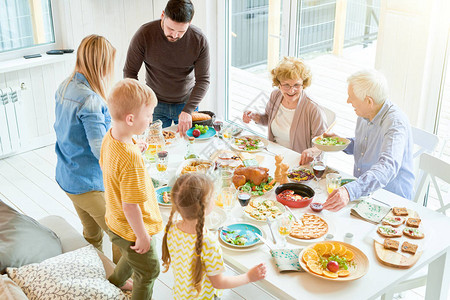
(227, 195)
(333, 182)
(284, 226)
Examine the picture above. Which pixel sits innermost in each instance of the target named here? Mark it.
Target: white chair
(329, 115)
(432, 168)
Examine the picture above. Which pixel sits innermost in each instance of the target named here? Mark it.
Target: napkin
(287, 259)
(369, 211)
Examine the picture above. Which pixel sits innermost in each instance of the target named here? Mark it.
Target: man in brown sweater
(176, 58)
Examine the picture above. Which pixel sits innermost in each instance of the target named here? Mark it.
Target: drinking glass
(284, 225)
(319, 167)
(333, 182)
(162, 163)
(243, 196)
(218, 127)
(228, 194)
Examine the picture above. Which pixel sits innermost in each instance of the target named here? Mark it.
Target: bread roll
(196, 116)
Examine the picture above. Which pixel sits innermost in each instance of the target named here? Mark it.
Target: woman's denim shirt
(82, 119)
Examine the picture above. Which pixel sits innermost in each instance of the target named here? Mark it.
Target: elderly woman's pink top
(309, 120)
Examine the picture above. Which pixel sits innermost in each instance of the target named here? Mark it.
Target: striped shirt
(182, 253)
(127, 180)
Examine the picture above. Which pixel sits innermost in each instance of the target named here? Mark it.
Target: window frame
(19, 53)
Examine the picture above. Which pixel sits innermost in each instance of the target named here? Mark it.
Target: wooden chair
(432, 168)
(329, 115)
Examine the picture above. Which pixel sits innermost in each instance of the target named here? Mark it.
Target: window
(25, 24)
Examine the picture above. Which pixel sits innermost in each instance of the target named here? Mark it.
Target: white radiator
(11, 120)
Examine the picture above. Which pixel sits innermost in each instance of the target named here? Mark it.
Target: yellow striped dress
(182, 252)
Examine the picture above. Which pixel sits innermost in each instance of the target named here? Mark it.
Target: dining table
(379, 278)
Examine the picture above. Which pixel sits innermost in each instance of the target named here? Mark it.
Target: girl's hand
(257, 273)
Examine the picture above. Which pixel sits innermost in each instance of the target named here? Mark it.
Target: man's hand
(338, 199)
(142, 244)
(308, 155)
(184, 123)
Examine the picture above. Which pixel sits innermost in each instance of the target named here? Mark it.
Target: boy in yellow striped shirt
(132, 213)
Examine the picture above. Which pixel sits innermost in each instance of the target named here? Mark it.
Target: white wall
(117, 20)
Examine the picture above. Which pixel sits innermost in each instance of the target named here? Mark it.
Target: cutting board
(399, 259)
(395, 259)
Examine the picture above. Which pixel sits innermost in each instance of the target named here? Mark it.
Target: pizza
(309, 227)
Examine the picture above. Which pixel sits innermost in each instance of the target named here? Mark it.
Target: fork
(268, 151)
(270, 228)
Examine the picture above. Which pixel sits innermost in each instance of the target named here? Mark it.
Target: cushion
(78, 274)
(9, 290)
(23, 240)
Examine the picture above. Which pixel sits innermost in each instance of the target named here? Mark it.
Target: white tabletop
(379, 278)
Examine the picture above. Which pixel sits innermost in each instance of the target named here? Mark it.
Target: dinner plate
(159, 195)
(276, 203)
(229, 247)
(246, 230)
(204, 136)
(263, 143)
(357, 271)
(331, 230)
(173, 141)
(215, 219)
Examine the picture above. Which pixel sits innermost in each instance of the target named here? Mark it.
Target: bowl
(331, 148)
(208, 122)
(296, 170)
(299, 189)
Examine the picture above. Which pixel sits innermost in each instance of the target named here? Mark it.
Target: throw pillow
(23, 240)
(78, 274)
(9, 290)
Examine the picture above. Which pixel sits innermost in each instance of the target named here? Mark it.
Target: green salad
(330, 141)
(259, 190)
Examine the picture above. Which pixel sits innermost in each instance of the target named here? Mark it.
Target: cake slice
(400, 211)
(391, 244)
(410, 248)
(413, 222)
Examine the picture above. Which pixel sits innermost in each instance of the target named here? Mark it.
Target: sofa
(59, 264)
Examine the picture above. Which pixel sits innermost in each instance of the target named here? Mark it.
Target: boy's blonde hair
(291, 68)
(128, 96)
(190, 195)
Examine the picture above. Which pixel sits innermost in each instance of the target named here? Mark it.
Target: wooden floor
(27, 183)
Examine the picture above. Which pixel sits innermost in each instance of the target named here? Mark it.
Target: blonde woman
(194, 252)
(293, 119)
(82, 119)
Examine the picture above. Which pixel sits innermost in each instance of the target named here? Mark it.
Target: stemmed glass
(218, 127)
(228, 194)
(319, 167)
(243, 196)
(284, 225)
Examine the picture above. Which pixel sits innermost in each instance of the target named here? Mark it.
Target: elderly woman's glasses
(287, 87)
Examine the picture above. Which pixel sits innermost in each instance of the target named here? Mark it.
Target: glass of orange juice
(333, 182)
(284, 225)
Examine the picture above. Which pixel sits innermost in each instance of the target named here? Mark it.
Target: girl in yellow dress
(192, 250)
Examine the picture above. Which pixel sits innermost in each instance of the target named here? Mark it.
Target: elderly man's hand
(338, 199)
(308, 155)
(184, 123)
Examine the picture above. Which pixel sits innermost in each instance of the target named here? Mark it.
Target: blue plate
(159, 195)
(209, 134)
(230, 232)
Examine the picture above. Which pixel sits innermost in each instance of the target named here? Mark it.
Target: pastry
(413, 222)
(389, 231)
(400, 211)
(393, 221)
(413, 233)
(310, 227)
(410, 248)
(391, 244)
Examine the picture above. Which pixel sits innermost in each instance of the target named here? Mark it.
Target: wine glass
(243, 196)
(227, 194)
(284, 225)
(319, 167)
(218, 127)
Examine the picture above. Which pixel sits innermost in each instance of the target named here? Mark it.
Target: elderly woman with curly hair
(293, 119)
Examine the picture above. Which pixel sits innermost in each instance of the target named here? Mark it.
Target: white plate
(172, 142)
(215, 219)
(276, 203)
(331, 230)
(188, 161)
(263, 143)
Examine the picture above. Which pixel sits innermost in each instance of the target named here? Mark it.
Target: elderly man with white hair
(382, 146)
